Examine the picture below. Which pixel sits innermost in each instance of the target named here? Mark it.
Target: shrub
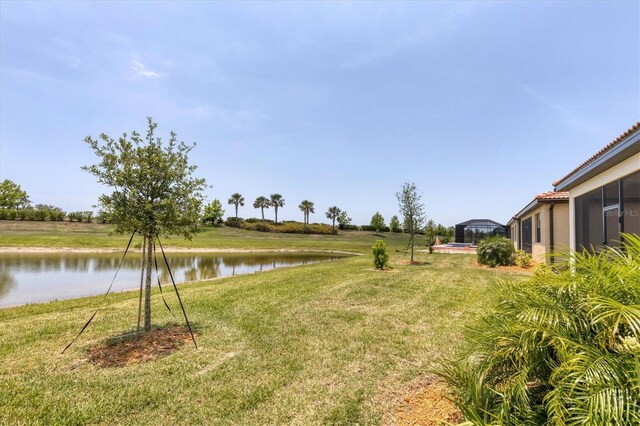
(25, 214)
(494, 251)
(380, 255)
(8, 214)
(75, 216)
(372, 229)
(103, 217)
(233, 222)
(523, 259)
(563, 348)
(41, 214)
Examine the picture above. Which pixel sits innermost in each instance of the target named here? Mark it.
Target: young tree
(343, 220)
(261, 203)
(380, 255)
(412, 210)
(377, 222)
(237, 200)
(213, 212)
(277, 201)
(394, 224)
(307, 207)
(12, 196)
(154, 190)
(430, 231)
(333, 214)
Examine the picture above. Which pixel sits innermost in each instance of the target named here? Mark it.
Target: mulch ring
(512, 268)
(130, 349)
(426, 403)
(415, 262)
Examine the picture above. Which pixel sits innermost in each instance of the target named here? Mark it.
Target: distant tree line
(15, 204)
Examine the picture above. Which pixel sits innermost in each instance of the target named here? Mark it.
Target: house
(474, 230)
(604, 194)
(541, 228)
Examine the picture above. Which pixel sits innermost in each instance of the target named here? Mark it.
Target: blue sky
(481, 104)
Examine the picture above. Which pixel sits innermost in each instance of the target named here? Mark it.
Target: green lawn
(328, 343)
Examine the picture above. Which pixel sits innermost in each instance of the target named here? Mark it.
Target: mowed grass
(100, 236)
(329, 343)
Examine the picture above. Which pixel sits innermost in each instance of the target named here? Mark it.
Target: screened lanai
(474, 230)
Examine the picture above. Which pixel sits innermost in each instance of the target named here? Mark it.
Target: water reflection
(37, 277)
(6, 282)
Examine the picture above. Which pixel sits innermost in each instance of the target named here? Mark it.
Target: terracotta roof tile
(610, 145)
(553, 195)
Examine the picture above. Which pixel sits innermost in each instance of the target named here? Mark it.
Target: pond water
(38, 277)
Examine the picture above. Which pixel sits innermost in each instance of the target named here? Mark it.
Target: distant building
(541, 228)
(604, 194)
(474, 230)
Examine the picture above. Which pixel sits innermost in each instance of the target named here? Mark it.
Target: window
(526, 235)
(603, 213)
(630, 205)
(589, 224)
(538, 233)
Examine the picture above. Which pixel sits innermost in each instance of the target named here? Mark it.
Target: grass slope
(328, 343)
(82, 235)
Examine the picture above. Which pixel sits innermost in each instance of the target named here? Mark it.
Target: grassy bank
(329, 343)
(83, 235)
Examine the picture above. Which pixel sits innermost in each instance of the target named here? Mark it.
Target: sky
(480, 104)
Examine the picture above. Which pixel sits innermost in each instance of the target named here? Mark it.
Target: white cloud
(140, 69)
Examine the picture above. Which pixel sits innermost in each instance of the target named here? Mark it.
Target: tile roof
(553, 195)
(610, 145)
(545, 197)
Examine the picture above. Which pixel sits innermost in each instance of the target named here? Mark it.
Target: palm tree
(261, 203)
(561, 349)
(333, 214)
(277, 201)
(237, 200)
(307, 207)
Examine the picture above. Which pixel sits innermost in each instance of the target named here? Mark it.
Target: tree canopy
(344, 221)
(307, 208)
(237, 200)
(213, 212)
(333, 213)
(154, 190)
(276, 201)
(377, 222)
(12, 196)
(262, 203)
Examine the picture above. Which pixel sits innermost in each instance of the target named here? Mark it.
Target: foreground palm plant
(561, 348)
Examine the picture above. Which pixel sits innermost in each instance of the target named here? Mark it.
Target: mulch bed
(427, 404)
(133, 350)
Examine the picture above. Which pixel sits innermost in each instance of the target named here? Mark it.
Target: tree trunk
(236, 212)
(147, 289)
(333, 225)
(262, 211)
(276, 209)
(412, 234)
(144, 248)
